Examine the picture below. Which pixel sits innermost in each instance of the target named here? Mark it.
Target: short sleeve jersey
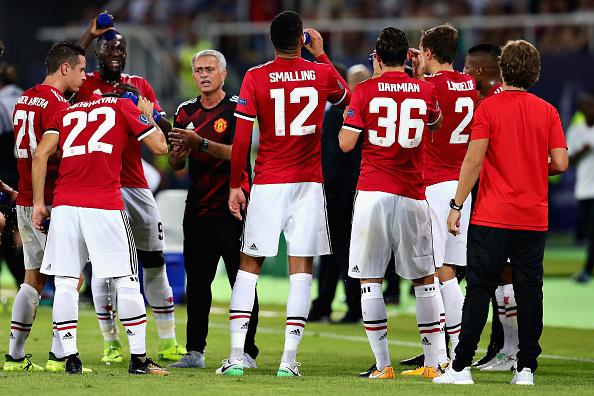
(288, 98)
(209, 176)
(445, 149)
(93, 137)
(393, 112)
(132, 172)
(513, 188)
(33, 114)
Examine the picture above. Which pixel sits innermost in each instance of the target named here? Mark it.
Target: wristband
(204, 145)
(454, 206)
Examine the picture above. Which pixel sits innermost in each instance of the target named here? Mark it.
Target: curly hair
(520, 64)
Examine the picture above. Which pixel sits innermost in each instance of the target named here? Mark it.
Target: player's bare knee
(35, 279)
(300, 265)
(250, 264)
(446, 272)
(426, 280)
(153, 259)
(371, 280)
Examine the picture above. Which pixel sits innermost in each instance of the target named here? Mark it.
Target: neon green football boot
(169, 349)
(24, 364)
(58, 365)
(112, 352)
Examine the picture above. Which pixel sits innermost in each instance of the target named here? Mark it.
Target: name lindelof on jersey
(461, 86)
(398, 87)
(296, 75)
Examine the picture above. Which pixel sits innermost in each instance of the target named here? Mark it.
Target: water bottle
(134, 98)
(105, 20)
(306, 38)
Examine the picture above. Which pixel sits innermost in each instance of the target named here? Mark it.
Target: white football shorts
(33, 239)
(448, 248)
(384, 223)
(145, 219)
(296, 209)
(102, 236)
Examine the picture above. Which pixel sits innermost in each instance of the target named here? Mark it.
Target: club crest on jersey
(144, 120)
(220, 125)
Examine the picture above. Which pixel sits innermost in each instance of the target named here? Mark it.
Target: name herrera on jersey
(461, 86)
(400, 87)
(34, 101)
(297, 75)
(106, 100)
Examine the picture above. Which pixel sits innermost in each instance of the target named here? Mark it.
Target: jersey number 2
(82, 118)
(461, 103)
(296, 128)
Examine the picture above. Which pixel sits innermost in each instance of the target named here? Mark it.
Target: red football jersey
(33, 113)
(445, 149)
(513, 188)
(288, 96)
(132, 172)
(93, 137)
(393, 110)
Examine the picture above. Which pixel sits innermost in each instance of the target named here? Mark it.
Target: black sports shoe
(73, 364)
(366, 374)
(416, 361)
(137, 366)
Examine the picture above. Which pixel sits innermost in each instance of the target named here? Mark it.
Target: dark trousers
(12, 254)
(206, 240)
(586, 219)
(335, 266)
(488, 250)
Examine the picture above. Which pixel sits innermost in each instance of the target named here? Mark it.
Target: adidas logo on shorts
(295, 332)
(384, 336)
(129, 332)
(49, 267)
(253, 247)
(425, 341)
(245, 325)
(67, 336)
(355, 269)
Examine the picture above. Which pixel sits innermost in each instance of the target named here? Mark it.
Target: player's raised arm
(47, 147)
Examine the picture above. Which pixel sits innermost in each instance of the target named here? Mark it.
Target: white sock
(298, 305)
(132, 313)
(502, 318)
(104, 300)
(428, 319)
(65, 313)
(453, 299)
(511, 315)
(443, 347)
(375, 321)
(240, 311)
(56, 344)
(160, 297)
(23, 313)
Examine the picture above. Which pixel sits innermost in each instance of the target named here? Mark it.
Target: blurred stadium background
(164, 34)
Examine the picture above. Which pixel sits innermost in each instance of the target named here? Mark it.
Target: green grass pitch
(331, 356)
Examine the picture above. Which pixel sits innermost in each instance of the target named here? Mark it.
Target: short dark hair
(442, 40)
(8, 74)
(487, 49)
(520, 64)
(392, 46)
(61, 52)
(285, 31)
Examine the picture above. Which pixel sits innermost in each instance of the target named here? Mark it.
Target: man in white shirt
(580, 143)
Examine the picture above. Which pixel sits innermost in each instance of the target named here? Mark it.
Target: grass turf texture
(331, 355)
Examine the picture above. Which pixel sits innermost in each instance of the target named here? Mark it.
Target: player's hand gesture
(185, 138)
(180, 153)
(454, 222)
(237, 202)
(146, 106)
(418, 63)
(316, 44)
(40, 213)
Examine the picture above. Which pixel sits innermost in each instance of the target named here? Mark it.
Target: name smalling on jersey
(296, 75)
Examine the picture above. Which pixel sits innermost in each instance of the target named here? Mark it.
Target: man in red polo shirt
(517, 141)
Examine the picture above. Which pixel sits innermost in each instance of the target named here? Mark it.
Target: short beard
(110, 75)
